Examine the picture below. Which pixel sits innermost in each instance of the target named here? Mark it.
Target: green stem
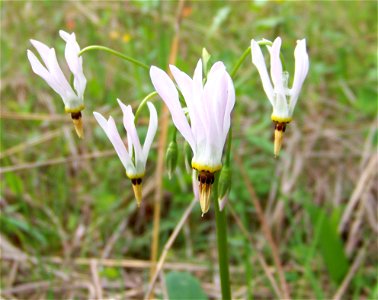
(240, 61)
(116, 53)
(221, 225)
(248, 52)
(142, 104)
(174, 134)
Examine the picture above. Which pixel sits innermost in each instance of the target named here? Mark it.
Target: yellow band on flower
(74, 110)
(135, 176)
(200, 167)
(281, 120)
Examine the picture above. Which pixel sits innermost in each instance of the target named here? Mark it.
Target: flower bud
(205, 59)
(224, 185)
(171, 157)
(188, 155)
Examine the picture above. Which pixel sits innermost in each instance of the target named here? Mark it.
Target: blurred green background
(63, 198)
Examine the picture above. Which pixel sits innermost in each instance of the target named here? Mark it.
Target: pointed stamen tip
(78, 124)
(137, 188)
(278, 138)
(205, 191)
(206, 180)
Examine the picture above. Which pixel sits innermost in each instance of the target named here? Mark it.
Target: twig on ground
(56, 161)
(352, 271)
(167, 246)
(369, 170)
(96, 279)
(120, 263)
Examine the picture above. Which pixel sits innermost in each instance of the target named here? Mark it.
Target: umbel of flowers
(209, 107)
(209, 100)
(205, 122)
(280, 96)
(54, 77)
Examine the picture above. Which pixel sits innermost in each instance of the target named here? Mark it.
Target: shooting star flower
(280, 96)
(54, 77)
(209, 107)
(134, 159)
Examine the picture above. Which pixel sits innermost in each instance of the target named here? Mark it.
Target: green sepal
(224, 185)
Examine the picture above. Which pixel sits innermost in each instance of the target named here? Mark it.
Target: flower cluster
(204, 122)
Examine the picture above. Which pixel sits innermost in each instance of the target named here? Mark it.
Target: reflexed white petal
(276, 66)
(75, 63)
(128, 122)
(111, 131)
(152, 127)
(36, 65)
(259, 62)
(167, 91)
(57, 74)
(40, 70)
(209, 150)
(185, 84)
(216, 67)
(43, 50)
(215, 100)
(71, 52)
(130, 145)
(301, 69)
(64, 35)
(208, 106)
(229, 106)
(200, 131)
(80, 82)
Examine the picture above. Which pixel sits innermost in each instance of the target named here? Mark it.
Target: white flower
(209, 107)
(53, 75)
(134, 159)
(280, 96)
